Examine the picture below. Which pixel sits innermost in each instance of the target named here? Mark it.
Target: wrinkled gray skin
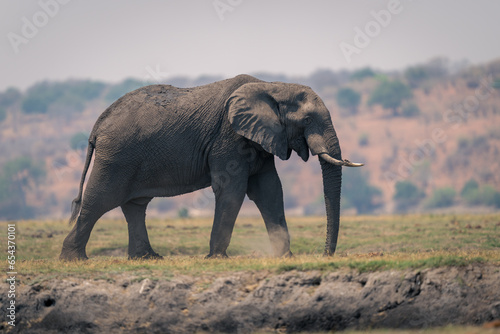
(161, 141)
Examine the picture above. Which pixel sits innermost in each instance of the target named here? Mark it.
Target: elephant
(162, 141)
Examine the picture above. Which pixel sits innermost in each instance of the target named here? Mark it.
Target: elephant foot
(150, 255)
(217, 256)
(72, 255)
(287, 255)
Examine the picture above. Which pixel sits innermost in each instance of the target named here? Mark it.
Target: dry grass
(366, 243)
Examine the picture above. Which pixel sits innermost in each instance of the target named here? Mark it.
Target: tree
(410, 110)
(323, 78)
(469, 186)
(473, 194)
(122, 88)
(349, 99)
(9, 97)
(433, 69)
(390, 95)
(416, 75)
(183, 212)
(407, 196)
(364, 140)
(362, 74)
(441, 198)
(79, 141)
(18, 176)
(357, 191)
(3, 114)
(70, 95)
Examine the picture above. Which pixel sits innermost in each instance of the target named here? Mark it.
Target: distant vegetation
(357, 191)
(390, 95)
(122, 88)
(70, 96)
(407, 196)
(17, 177)
(349, 99)
(79, 141)
(31, 153)
(410, 110)
(417, 75)
(362, 74)
(473, 194)
(441, 198)
(10, 97)
(3, 114)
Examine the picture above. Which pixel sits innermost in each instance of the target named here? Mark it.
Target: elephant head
(283, 117)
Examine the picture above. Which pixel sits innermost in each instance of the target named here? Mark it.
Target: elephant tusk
(331, 160)
(336, 162)
(352, 164)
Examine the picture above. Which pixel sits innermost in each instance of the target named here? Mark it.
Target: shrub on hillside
(79, 141)
(3, 114)
(362, 74)
(415, 75)
(410, 110)
(363, 140)
(122, 88)
(441, 198)
(183, 213)
(468, 187)
(472, 194)
(407, 196)
(349, 99)
(70, 94)
(10, 97)
(17, 177)
(390, 95)
(358, 192)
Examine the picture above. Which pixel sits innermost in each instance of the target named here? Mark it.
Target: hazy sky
(114, 39)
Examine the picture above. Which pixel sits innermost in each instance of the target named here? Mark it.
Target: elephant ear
(254, 114)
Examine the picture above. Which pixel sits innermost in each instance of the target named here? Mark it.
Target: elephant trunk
(326, 146)
(332, 180)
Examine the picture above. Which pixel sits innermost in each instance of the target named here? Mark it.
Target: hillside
(428, 137)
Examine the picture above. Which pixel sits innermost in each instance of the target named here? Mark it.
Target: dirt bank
(246, 302)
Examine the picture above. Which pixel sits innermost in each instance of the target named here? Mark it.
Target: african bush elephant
(165, 141)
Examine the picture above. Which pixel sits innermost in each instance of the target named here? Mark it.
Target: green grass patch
(366, 243)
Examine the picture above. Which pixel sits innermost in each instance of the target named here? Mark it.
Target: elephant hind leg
(100, 197)
(76, 241)
(138, 240)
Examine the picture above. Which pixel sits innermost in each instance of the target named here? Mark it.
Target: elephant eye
(307, 120)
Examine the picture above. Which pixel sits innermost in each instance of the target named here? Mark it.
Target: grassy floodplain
(366, 243)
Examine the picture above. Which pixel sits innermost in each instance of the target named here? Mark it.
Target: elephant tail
(77, 202)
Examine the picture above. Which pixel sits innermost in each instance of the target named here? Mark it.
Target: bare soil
(246, 302)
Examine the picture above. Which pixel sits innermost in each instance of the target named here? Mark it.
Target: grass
(366, 243)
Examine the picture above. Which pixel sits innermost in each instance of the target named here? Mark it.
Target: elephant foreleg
(266, 191)
(228, 200)
(138, 240)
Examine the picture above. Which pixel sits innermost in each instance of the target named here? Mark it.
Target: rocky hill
(429, 135)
